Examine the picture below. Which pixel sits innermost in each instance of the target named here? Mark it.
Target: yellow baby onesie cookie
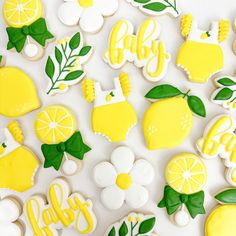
(201, 56)
(18, 165)
(18, 94)
(112, 116)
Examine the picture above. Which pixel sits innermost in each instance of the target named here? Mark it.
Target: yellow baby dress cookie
(201, 56)
(18, 165)
(18, 94)
(168, 121)
(221, 221)
(113, 116)
(183, 196)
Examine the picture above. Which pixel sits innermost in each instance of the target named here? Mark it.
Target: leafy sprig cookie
(168, 121)
(64, 66)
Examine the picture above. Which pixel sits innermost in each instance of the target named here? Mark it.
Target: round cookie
(168, 120)
(186, 176)
(123, 180)
(56, 127)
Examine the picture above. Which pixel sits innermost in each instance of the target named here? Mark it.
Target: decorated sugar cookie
(201, 56)
(183, 196)
(219, 139)
(89, 14)
(143, 49)
(157, 7)
(64, 66)
(28, 33)
(18, 165)
(18, 94)
(10, 211)
(62, 209)
(56, 127)
(112, 116)
(221, 221)
(168, 121)
(134, 224)
(225, 94)
(124, 179)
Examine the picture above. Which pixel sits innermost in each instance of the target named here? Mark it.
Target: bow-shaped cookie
(54, 153)
(37, 30)
(173, 200)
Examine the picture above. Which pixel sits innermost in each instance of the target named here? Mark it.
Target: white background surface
(205, 12)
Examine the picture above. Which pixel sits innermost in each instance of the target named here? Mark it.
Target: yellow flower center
(85, 3)
(124, 181)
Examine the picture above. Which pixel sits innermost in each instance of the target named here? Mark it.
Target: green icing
(58, 55)
(155, 6)
(54, 153)
(84, 51)
(147, 225)
(227, 197)
(196, 105)
(142, 1)
(123, 231)
(226, 81)
(75, 41)
(173, 200)
(74, 75)
(50, 68)
(112, 232)
(224, 94)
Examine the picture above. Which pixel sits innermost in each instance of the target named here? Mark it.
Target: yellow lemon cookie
(221, 221)
(168, 121)
(183, 196)
(18, 94)
(18, 165)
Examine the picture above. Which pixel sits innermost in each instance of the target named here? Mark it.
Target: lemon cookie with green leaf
(168, 121)
(64, 66)
(225, 94)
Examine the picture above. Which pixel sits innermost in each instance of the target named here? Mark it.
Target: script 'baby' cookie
(157, 7)
(62, 209)
(18, 165)
(134, 224)
(55, 126)
(201, 56)
(10, 211)
(88, 14)
(18, 94)
(124, 179)
(28, 33)
(143, 49)
(221, 221)
(168, 120)
(64, 65)
(219, 139)
(112, 116)
(183, 196)
(225, 95)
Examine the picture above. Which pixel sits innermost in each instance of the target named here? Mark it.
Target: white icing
(69, 167)
(182, 218)
(106, 175)
(31, 50)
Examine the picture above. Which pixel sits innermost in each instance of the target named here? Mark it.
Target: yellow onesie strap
(16, 131)
(88, 90)
(125, 84)
(186, 25)
(223, 30)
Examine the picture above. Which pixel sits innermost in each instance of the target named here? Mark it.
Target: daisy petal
(104, 174)
(91, 20)
(106, 9)
(112, 197)
(142, 172)
(136, 196)
(123, 159)
(69, 13)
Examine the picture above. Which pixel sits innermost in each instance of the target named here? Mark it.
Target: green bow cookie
(54, 153)
(37, 30)
(173, 200)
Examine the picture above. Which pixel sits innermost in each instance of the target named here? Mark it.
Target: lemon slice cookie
(186, 176)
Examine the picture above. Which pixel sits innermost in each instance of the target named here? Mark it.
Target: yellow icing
(125, 84)
(186, 173)
(20, 13)
(64, 209)
(221, 222)
(198, 67)
(17, 169)
(167, 123)
(224, 26)
(124, 181)
(17, 93)
(85, 3)
(54, 124)
(114, 120)
(88, 90)
(16, 131)
(186, 24)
